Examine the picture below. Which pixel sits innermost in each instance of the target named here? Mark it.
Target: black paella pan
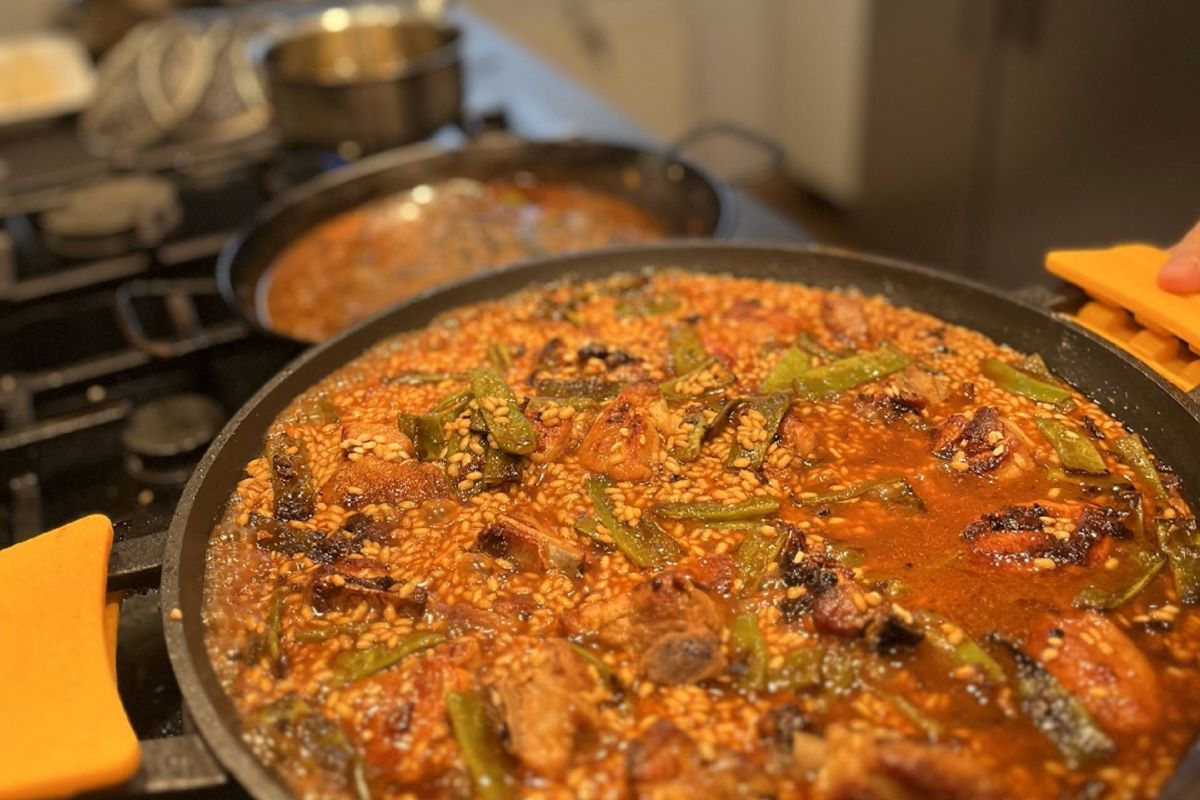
(1168, 420)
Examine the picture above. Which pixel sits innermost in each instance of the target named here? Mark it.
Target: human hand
(1181, 273)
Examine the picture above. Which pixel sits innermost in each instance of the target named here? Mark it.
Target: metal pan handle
(724, 129)
(188, 332)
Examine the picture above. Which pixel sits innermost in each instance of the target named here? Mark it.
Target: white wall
(793, 69)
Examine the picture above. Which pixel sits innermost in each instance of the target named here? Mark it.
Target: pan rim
(225, 742)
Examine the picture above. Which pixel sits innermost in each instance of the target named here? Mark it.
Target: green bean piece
(964, 652)
(421, 378)
(686, 349)
(1035, 365)
(291, 478)
(792, 363)
(754, 557)
(1132, 450)
(690, 449)
(513, 433)
(296, 733)
(500, 467)
(893, 491)
(802, 669)
(273, 634)
(809, 344)
(603, 670)
(648, 545)
(715, 393)
(1075, 451)
(927, 726)
(498, 356)
(480, 745)
(771, 408)
(753, 508)
(1055, 712)
(308, 635)
(1108, 599)
(597, 389)
(1013, 380)
(850, 372)
(749, 648)
(1179, 538)
(453, 404)
(427, 433)
(1099, 483)
(351, 665)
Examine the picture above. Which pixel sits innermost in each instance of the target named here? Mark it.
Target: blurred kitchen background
(967, 134)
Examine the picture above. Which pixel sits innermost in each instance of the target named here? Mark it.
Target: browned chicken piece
(381, 433)
(715, 572)
(342, 588)
(666, 764)
(671, 626)
(846, 319)
(373, 480)
(980, 443)
(530, 547)
(555, 437)
(1102, 668)
(622, 443)
(862, 766)
(548, 705)
(797, 435)
(1021, 535)
(755, 321)
(911, 391)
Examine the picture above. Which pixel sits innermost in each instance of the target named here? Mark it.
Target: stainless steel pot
(368, 77)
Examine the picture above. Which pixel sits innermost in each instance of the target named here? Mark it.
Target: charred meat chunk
(1025, 534)
(530, 547)
(666, 764)
(358, 581)
(612, 358)
(977, 441)
(670, 625)
(291, 478)
(841, 610)
(373, 480)
(889, 634)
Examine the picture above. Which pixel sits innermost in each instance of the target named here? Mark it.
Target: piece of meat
(862, 766)
(354, 582)
(548, 705)
(889, 633)
(715, 572)
(797, 435)
(980, 443)
(622, 443)
(755, 322)
(1102, 668)
(671, 626)
(530, 547)
(911, 391)
(556, 436)
(1020, 535)
(381, 433)
(665, 764)
(846, 319)
(841, 611)
(373, 480)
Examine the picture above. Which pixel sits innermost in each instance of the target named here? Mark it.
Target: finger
(1181, 273)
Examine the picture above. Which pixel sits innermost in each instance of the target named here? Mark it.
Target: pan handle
(178, 296)
(1114, 293)
(63, 728)
(718, 129)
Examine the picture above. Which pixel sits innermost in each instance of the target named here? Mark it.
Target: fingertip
(1180, 275)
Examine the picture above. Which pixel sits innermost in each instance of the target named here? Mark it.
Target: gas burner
(112, 216)
(163, 437)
